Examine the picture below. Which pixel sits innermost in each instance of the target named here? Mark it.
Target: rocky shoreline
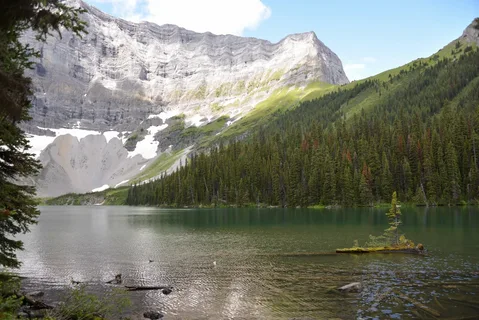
(41, 301)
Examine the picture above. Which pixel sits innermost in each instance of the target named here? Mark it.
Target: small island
(391, 241)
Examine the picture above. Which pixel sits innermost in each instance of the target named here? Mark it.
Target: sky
(369, 36)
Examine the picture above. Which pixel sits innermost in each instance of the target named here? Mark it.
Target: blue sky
(369, 36)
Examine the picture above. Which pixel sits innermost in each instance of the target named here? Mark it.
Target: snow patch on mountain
(102, 188)
(110, 135)
(195, 120)
(121, 183)
(39, 142)
(164, 115)
(147, 147)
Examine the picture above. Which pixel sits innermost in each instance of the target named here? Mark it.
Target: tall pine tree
(17, 206)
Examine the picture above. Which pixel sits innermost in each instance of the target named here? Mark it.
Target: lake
(244, 263)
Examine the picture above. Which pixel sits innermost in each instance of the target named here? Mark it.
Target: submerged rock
(154, 315)
(352, 287)
(35, 294)
(166, 291)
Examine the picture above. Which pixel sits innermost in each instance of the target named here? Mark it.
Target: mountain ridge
(168, 66)
(364, 95)
(156, 88)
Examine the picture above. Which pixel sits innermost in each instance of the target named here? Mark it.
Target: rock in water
(153, 315)
(166, 291)
(35, 294)
(352, 287)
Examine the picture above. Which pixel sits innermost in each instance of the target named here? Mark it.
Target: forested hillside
(416, 132)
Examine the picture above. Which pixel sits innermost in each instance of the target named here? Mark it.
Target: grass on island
(391, 240)
(375, 249)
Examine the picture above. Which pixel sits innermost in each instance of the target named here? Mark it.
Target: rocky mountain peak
(471, 33)
(129, 80)
(120, 72)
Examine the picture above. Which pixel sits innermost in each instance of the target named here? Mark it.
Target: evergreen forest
(418, 134)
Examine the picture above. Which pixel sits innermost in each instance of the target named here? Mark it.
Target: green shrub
(80, 305)
(377, 241)
(133, 137)
(9, 302)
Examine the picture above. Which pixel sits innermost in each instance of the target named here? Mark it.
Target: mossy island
(391, 241)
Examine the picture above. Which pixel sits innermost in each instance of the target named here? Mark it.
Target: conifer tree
(386, 178)
(453, 187)
(17, 206)
(365, 193)
(394, 218)
(313, 154)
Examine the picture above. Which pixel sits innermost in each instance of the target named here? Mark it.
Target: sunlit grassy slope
(288, 98)
(161, 164)
(277, 103)
(107, 197)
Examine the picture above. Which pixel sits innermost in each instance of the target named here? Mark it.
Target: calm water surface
(257, 274)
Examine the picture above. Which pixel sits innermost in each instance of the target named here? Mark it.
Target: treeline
(419, 138)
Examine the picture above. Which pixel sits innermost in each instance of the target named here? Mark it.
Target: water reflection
(253, 278)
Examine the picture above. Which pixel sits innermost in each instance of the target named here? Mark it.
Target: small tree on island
(390, 240)
(391, 236)
(394, 217)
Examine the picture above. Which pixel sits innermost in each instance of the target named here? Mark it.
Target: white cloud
(356, 71)
(216, 16)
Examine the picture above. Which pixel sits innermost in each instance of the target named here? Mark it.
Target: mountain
(471, 33)
(133, 80)
(413, 129)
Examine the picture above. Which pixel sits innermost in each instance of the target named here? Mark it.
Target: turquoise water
(258, 273)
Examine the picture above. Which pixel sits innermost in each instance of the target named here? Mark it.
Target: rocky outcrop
(72, 165)
(471, 33)
(121, 72)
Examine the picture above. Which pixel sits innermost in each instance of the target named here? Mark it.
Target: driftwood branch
(164, 289)
(467, 303)
(419, 305)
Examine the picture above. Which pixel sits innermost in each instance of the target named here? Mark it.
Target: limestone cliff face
(121, 72)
